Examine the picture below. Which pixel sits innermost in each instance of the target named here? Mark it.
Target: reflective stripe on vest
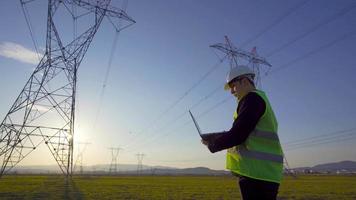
(265, 135)
(260, 155)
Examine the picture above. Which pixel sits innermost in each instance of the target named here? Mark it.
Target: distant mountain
(122, 169)
(343, 165)
(349, 166)
(186, 171)
(331, 167)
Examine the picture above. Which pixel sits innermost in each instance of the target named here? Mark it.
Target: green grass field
(167, 187)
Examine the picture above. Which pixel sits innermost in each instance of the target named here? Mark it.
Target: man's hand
(205, 142)
(208, 139)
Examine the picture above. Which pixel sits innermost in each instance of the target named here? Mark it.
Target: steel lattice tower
(80, 156)
(44, 111)
(139, 162)
(234, 53)
(114, 160)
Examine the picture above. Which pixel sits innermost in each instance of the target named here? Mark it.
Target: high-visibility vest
(260, 156)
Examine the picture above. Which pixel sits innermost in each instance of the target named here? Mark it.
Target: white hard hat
(235, 72)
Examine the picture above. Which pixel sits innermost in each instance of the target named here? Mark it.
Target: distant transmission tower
(44, 111)
(79, 161)
(114, 160)
(139, 162)
(232, 53)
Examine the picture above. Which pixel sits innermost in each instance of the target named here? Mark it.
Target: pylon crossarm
(102, 6)
(240, 53)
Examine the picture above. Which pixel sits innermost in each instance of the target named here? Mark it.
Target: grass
(167, 187)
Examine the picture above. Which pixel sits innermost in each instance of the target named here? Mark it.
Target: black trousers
(253, 189)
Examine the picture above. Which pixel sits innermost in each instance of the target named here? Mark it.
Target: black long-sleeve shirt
(250, 109)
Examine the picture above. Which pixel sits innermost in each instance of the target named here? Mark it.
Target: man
(254, 151)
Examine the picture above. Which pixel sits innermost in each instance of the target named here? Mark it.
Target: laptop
(203, 136)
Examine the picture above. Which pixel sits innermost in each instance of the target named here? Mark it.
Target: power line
(180, 115)
(283, 66)
(150, 140)
(345, 36)
(319, 136)
(323, 141)
(277, 21)
(28, 22)
(349, 136)
(192, 159)
(108, 69)
(213, 68)
(338, 136)
(287, 13)
(313, 29)
(111, 57)
(326, 138)
(342, 12)
(169, 108)
(312, 52)
(186, 123)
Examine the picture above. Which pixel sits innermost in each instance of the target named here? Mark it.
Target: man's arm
(251, 109)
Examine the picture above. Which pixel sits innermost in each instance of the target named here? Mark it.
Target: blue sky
(167, 51)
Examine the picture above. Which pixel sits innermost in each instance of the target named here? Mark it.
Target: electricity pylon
(44, 111)
(234, 53)
(114, 160)
(139, 162)
(79, 161)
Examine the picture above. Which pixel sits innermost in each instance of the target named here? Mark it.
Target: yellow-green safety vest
(260, 156)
